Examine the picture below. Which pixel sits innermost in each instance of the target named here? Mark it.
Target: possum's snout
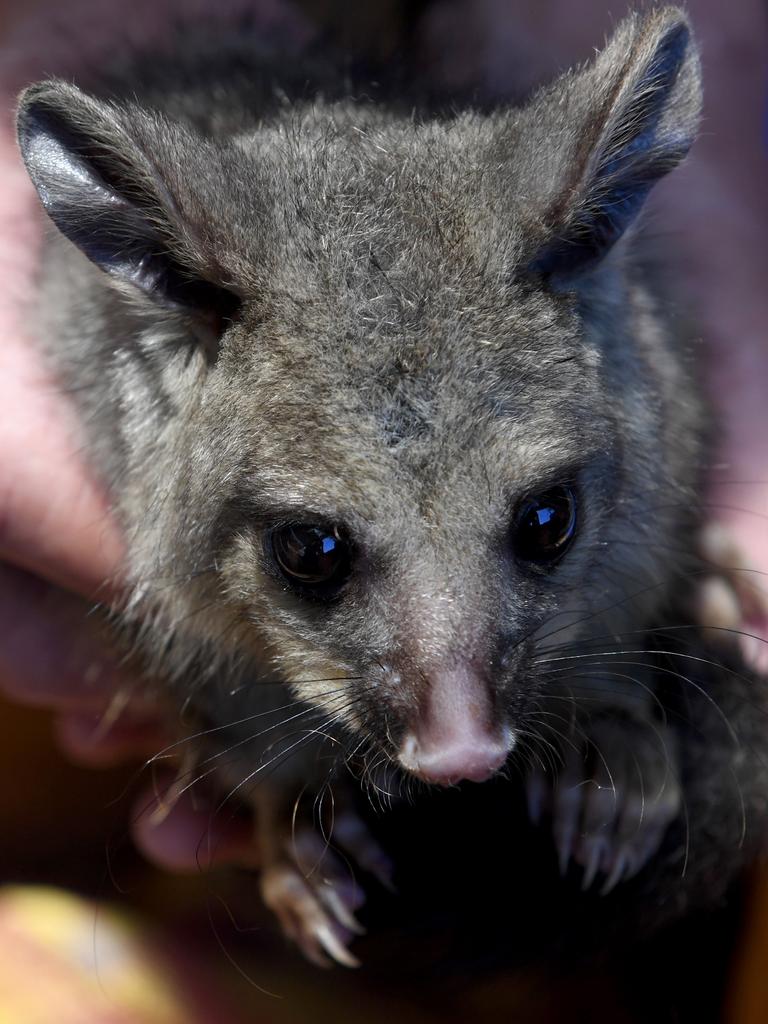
(464, 758)
(454, 737)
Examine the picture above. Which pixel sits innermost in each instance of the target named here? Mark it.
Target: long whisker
(204, 733)
(666, 670)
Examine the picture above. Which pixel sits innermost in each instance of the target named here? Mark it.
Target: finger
(97, 741)
(54, 518)
(52, 651)
(54, 515)
(191, 834)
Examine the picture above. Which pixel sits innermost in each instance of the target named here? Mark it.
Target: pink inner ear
(455, 737)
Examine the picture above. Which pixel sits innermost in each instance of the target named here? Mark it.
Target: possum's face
(387, 391)
(410, 514)
(427, 551)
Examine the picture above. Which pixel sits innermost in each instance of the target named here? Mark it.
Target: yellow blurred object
(66, 960)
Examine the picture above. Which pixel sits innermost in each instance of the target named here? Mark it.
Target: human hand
(60, 548)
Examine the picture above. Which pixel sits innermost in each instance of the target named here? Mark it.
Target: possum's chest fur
(406, 448)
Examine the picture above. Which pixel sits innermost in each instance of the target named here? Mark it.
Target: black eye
(312, 556)
(544, 526)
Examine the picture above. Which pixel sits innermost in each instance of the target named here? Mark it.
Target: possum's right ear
(601, 137)
(104, 175)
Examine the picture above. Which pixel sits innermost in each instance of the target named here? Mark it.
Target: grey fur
(439, 316)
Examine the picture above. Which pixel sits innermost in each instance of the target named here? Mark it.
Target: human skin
(61, 549)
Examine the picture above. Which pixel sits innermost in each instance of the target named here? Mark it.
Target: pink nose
(475, 759)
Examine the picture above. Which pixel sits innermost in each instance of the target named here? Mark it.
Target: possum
(401, 429)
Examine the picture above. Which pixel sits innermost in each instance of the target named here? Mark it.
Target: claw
(535, 792)
(351, 833)
(620, 864)
(597, 849)
(645, 850)
(568, 800)
(303, 909)
(331, 898)
(312, 951)
(610, 814)
(384, 878)
(334, 947)
(565, 850)
(376, 863)
(635, 866)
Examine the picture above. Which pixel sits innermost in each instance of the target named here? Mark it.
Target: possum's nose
(454, 737)
(451, 762)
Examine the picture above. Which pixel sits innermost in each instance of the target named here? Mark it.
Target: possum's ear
(605, 134)
(101, 174)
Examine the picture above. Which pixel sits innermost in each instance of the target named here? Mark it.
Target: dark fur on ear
(101, 186)
(627, 119)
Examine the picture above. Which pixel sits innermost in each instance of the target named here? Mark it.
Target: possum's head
(390, 388)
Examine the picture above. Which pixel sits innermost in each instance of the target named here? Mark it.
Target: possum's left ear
(601, 137)
(115, 182)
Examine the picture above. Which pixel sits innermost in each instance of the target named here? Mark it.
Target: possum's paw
(613, 799)
(310, 886)
(732, 599)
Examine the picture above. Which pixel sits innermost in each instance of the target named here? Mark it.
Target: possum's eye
(312, 557)
(544, 526)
